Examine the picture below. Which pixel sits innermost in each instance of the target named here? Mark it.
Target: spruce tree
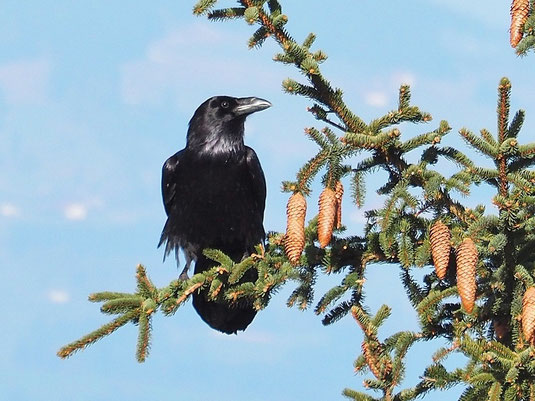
(478, 290)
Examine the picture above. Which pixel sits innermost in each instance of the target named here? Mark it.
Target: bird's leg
(184, 274)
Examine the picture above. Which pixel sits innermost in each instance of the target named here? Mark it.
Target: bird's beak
(248, 105)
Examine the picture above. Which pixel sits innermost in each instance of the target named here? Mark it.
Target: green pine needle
(96, 335)
(107, 296)
(143, 343)
(203, 6)
(504, 94)
(220, 257)
(226, 13)
(357, 395)
(240, 269)
(479, 144)
(121, 305)
(516, 124)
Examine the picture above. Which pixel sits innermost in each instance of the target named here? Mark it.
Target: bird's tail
(219, 314)
(171, 243)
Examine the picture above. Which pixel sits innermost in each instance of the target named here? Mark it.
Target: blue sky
(94, 96)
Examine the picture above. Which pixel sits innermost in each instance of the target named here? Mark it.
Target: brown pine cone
(326, 216)
(338, 193)
(294, 240)
(466, 273)
(440, 247)
(519, 15)
(528, 315)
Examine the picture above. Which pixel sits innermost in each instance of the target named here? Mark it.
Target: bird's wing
(170, 177)
(258, 180)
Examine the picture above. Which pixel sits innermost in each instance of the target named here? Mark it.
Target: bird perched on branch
(214, 194)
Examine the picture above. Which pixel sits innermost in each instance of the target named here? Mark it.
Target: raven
(214, 194)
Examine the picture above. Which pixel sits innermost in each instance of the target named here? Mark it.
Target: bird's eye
(225, 104)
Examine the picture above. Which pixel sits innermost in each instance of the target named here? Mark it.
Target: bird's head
(217, 126)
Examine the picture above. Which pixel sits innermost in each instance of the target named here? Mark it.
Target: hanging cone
(440, 247)
(519, 15)
(294, 240)
(338, 193)
(466, 273)
(528, 315)
(326, 216)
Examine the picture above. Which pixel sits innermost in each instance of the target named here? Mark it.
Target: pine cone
(466, 273)
(338, 193)
(519, 15)
(440, 247)
(326, 216)
(528, 315)
(294, 240)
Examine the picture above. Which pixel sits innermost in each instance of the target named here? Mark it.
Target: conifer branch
(203, 6)
(226, 13)
(384, 359)
(96, 335)
(272, 25)
(504, 93)
(223, 279)
(479, 144)
(143, 337)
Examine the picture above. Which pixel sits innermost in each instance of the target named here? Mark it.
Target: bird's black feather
(214, 194)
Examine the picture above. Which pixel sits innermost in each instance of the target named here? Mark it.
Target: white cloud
(58, 296)
(378, 93)
(403, 78)
(190, 59)
(80, 210)
(168, 64)
(376, 99)
(9, 210)
(75, 211)
(166, 49)
(24, 81)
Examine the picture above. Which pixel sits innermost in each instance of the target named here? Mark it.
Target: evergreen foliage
(500, 357)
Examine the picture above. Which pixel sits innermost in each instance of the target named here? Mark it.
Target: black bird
(214, 194)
